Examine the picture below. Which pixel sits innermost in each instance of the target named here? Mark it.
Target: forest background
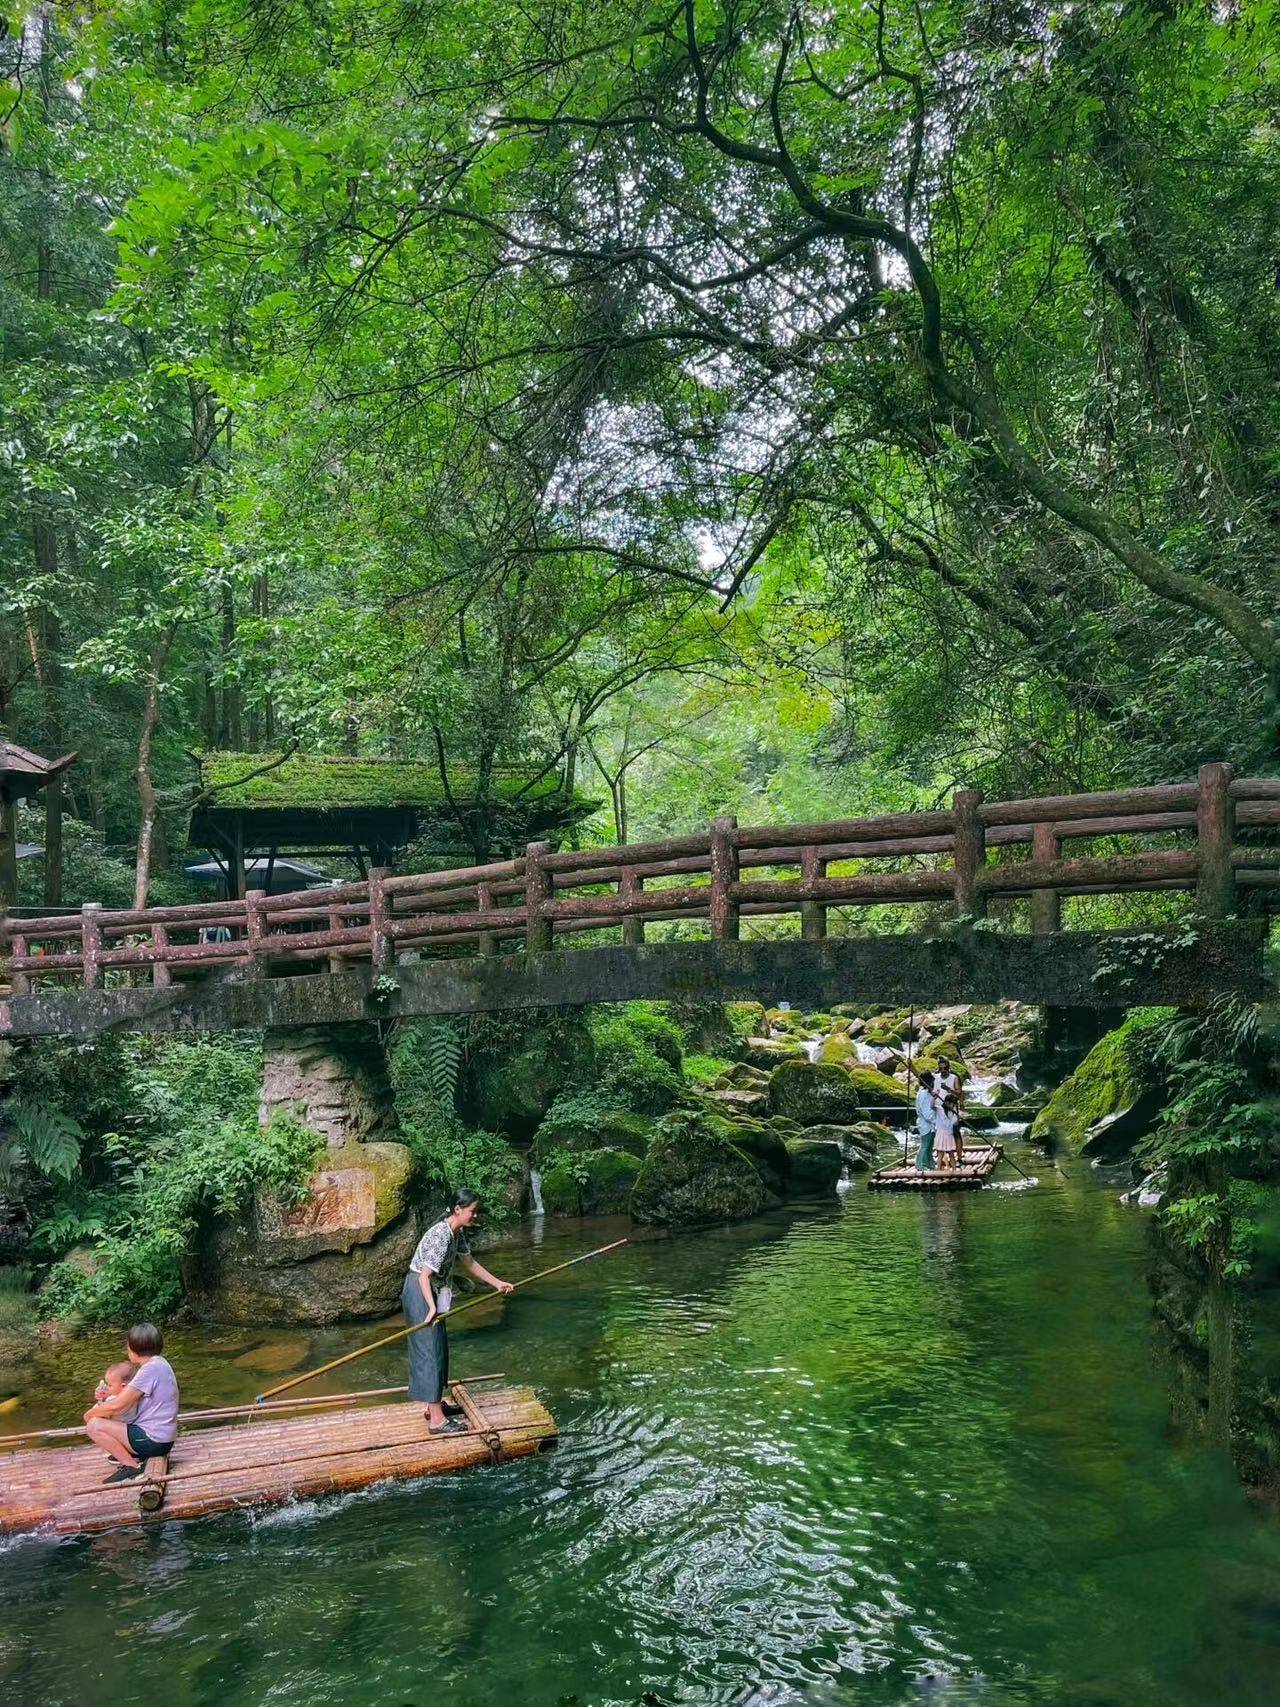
(796, 410)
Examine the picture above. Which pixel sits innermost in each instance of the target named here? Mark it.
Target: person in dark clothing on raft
(426, 1298)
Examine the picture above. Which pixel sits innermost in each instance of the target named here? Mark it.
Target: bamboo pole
(403, 1333)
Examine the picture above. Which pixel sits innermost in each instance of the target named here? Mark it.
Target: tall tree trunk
(231, 730)
(148, 809)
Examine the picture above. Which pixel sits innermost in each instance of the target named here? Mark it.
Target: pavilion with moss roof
(366, 811)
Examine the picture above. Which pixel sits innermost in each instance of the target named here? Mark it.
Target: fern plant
(43, 1137)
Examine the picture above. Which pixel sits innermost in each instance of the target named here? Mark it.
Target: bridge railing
(969, 854)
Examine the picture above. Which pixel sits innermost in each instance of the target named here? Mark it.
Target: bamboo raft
(979, 1164)
(267, 1458)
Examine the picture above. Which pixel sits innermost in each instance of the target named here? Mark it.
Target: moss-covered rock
(769, 1052)
(579, 1126)
(881, 1034)
(929, 1063)
(692, 1176)
(811, 1092)
(752, 1102)
(1107, 1103)
(742, 1077)
(978, 1117)
(875, 1089)
(593, 1182)
(517, 1065)
(838, 1048)
(859, 1142)
(816, 1166)
(765, 1147)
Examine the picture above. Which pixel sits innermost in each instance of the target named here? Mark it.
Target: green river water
(889, 1450)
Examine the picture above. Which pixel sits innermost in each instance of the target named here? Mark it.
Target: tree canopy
(717, 404)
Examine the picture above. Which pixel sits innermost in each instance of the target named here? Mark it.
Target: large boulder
(593, 1182)
(342, 1252)
(816, 1167)
(858, 1142)
(766, 1148)
(741, 1077)
(875, 1089)
(812, 1092)
(693, 1176)
(333, 1078)
(518, 1064)
(1107, 1103)
(580, 1127)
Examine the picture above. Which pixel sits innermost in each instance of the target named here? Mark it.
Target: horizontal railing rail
(969, 854)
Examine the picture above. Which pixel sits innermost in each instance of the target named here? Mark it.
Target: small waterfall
(535, 1186)
(812, 1047)
(868, 1055)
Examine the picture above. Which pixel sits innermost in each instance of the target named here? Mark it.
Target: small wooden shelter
(22, 776)
(366, 811)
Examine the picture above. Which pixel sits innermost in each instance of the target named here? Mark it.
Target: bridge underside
(1068, 969)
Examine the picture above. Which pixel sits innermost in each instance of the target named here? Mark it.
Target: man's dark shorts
(143, 1447)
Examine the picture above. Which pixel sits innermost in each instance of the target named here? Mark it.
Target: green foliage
(137, 1268)
(703, 1069)
(44, 1138)
(639, 1056)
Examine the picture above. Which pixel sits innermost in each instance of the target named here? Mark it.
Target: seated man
(151, 1430)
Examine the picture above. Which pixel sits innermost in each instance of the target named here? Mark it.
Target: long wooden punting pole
(403, 1333)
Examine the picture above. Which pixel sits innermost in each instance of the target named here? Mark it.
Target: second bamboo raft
(266, 1460)
(979, 1164)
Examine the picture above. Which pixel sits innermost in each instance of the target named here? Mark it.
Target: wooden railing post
(1046, 904)
(160, 974)
(335, 924)
(970, 853)
(484, 904)
(537, 893)
(813, 914)
(379, 941)
(91, 944)
(12, 945)
(724, 872)
(253, 931)
(630, 885)
(1216, 834)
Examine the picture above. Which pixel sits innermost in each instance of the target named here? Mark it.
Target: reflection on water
(900, 1449)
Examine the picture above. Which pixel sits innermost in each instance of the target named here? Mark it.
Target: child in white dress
(946, 1140)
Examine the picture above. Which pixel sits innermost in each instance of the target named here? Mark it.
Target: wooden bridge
(482, 937)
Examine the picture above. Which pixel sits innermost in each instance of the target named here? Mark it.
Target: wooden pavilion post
(724, 874)
(8, 850)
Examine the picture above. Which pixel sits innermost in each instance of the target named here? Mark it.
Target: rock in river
(692, 1175)
(813, 1092)
(816, 1166)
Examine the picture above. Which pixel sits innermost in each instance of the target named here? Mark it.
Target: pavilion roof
(23, 772)
(335, 782)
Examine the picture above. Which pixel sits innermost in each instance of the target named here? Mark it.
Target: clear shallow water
(890, 1451)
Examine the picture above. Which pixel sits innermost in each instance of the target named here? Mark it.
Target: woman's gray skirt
(428, 1348)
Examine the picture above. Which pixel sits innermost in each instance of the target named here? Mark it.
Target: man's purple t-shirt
(157, 1412)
